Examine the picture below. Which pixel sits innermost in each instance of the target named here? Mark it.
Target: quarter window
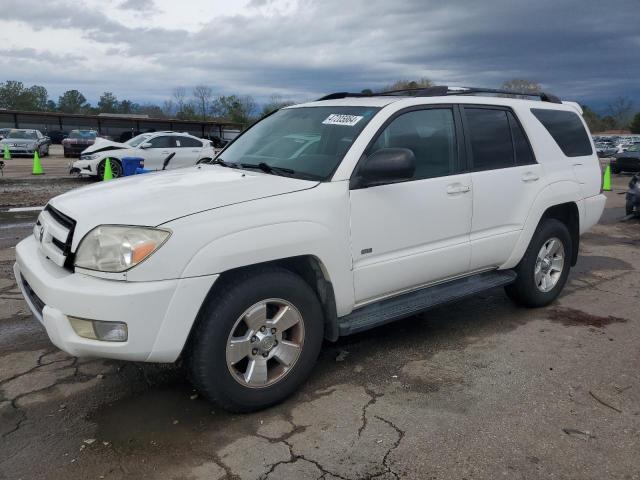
(490, 138)
(567, 130)
(430, 134)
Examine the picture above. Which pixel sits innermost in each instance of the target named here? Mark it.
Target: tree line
(200, 103)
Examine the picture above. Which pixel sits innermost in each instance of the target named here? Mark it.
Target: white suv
(363, 210)
(154, 148)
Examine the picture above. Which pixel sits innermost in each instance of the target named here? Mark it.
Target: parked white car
(154, 148)
(383, 206)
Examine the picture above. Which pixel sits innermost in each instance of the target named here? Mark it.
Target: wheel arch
(568, 214)
(309, 267)
(558, 200)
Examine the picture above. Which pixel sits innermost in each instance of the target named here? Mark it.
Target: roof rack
(443, 90)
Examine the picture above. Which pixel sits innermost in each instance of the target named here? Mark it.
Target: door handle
(530, 177)
(457, 188)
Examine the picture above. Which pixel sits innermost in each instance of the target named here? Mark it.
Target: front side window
(430, 134)
(138, 140)
(308, 141)
(161, 142)
(490, 138)
(567, 130)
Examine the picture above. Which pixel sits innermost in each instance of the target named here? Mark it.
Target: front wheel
(544, 268)
(256, 339)
(116, 168)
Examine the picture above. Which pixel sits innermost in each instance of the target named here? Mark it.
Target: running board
(402, 306)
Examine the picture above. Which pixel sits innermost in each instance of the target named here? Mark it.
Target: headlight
(90, 156)
(115, 248)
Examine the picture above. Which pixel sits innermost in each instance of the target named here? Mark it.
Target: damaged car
(153, 148)
(78, 141)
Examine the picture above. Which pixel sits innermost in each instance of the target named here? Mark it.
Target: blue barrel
(130, 164)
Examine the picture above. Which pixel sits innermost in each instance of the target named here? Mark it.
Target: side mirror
(146, 145)
(387, 165)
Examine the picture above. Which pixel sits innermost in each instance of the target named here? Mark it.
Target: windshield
(309, 141)
(135, 141)
(83, 134)
(634, 148)
(26, 134)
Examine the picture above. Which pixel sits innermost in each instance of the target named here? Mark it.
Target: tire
(224, 382)
(527, 290)
(116, 168)
(628, 207)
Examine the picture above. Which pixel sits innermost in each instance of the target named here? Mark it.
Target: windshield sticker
(340, 119)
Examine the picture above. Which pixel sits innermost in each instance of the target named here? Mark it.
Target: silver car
(25, 142)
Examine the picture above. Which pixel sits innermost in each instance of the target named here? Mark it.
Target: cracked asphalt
(479, 389)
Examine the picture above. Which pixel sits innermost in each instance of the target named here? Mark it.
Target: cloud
(139, 5)
(579, 49)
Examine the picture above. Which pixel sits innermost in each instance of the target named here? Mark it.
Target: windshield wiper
(222, 163)
(265, 167)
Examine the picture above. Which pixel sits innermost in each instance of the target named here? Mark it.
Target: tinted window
(188, 142)
(430, 134)
(490, 138)
(566, 129)
(524, 155)
(161, 142)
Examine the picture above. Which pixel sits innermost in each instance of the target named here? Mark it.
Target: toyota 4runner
(321, 220)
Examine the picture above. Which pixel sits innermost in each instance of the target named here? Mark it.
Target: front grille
(33, 298)
(57, 228)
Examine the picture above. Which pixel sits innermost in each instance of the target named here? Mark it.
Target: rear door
(506, 179)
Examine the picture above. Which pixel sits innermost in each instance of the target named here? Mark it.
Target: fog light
(99, 330)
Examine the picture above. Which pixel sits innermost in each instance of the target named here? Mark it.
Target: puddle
(571, 317)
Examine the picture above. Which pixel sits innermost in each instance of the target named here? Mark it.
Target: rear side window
(566, 129)
(188, 142)
(521, 147)
(490, 138)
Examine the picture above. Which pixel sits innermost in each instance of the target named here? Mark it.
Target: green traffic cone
(37, 166)
(108, 174)
(606, 181)
(7, 153)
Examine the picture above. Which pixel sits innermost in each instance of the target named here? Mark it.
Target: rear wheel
(256, 340)
(116, 168)
(543, 270)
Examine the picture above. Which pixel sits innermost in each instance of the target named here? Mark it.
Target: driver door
(409, 234)
(157, 150)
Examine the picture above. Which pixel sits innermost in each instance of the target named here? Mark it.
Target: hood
(104, 144)
(155, 198)
(17, 141)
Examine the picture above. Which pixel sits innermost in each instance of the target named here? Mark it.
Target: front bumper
(158, 314)
(84, 167)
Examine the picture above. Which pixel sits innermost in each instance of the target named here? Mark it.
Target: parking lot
(479, 389)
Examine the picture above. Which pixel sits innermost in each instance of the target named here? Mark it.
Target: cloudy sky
(588, 50)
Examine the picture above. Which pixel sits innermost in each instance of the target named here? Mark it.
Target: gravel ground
(480, 389)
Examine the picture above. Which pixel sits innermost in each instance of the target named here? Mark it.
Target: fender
(553, 194)
(275, 242)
